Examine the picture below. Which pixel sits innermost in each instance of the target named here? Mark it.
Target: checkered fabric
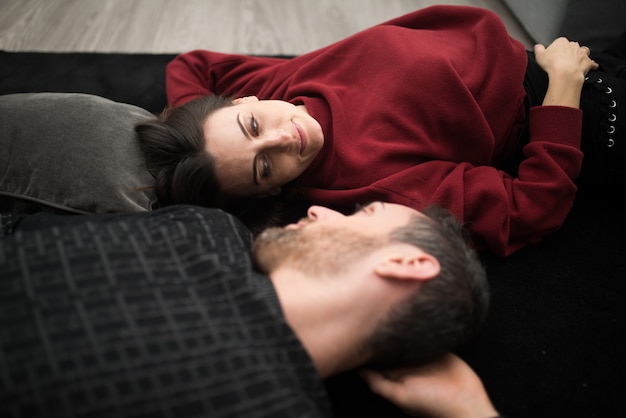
(157, 314)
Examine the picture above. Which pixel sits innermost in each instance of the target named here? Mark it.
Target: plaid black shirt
(157, 314)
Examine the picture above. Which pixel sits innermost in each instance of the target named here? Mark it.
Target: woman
(428, 108)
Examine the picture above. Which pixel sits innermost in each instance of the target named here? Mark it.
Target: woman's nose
(278, 138)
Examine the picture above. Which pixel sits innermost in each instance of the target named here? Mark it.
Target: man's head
(422, 258)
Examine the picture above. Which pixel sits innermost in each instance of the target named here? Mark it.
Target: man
(163, 314)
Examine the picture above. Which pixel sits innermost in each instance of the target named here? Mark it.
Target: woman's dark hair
(175, 150)
(174, 146)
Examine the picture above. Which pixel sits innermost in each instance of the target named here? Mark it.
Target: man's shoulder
(176, 219)
(183, 236)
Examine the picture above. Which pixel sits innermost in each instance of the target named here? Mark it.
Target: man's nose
(319, 213)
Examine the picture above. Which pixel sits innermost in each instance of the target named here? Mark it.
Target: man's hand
(447, 388)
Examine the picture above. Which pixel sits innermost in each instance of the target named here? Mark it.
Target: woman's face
(260, 145)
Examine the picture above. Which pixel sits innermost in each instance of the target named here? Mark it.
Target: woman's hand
(447, 388)
(566, 64)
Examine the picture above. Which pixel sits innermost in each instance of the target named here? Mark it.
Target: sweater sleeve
(200, 73)
(541, 196)
(506, 213)
(187, 77)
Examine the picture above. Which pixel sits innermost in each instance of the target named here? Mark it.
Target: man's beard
(316, 251)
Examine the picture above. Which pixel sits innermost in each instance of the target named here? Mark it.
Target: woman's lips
(303, 138)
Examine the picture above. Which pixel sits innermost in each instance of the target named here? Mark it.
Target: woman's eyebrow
(243, 128)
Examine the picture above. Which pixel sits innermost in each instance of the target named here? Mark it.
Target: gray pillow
(73, 152)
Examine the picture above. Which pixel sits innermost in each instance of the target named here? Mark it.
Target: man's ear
(245, 99)
(409, 264)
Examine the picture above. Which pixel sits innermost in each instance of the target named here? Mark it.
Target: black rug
(553, 344)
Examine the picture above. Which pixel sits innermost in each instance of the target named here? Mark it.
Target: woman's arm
(200, 73)
(187, 77)
(566, 64)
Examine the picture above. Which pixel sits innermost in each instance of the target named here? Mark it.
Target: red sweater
(419, 110)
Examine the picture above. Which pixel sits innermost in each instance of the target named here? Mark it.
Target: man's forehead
(403, 209)
(395, 209)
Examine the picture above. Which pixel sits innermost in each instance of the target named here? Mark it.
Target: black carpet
(553, 345)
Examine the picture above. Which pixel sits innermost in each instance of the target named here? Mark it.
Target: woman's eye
(254, 126)
(266, 169)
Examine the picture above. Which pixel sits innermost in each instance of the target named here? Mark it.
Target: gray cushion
(73, 152)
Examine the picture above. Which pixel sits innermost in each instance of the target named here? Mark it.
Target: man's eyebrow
(254, 160)
(359, 207)
(362, 207)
